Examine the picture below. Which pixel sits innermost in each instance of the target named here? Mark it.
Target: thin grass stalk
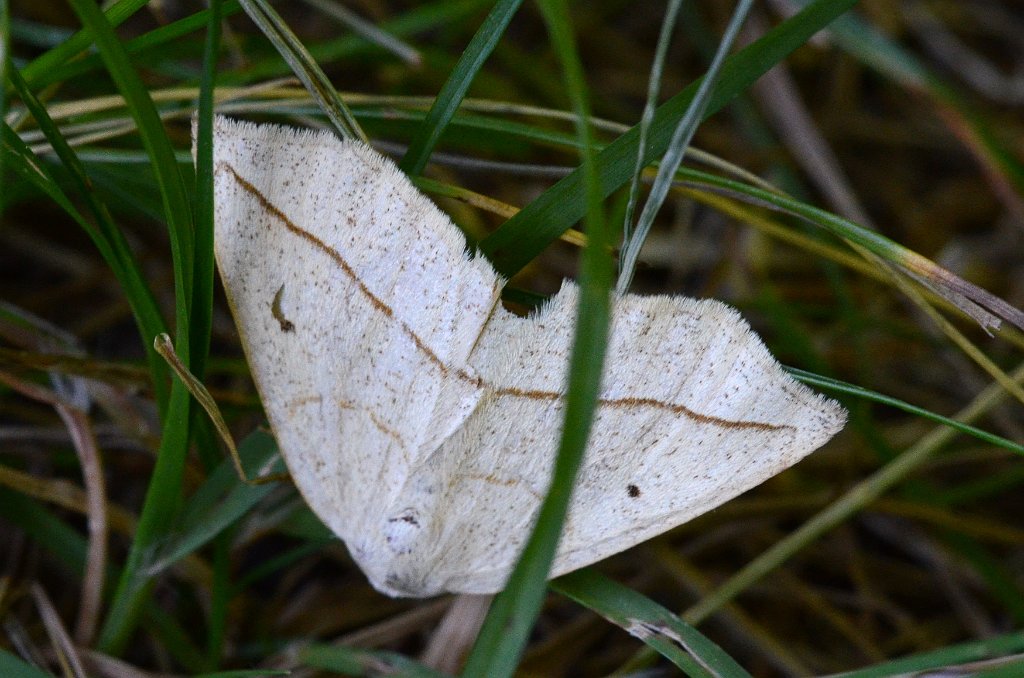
(676, 150)
(668, 25)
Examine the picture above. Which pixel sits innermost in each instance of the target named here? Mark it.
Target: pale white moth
(420, 419)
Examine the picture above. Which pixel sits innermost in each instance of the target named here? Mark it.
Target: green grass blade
(153, 40)
(676, 150)
(668, 26)
(662, 630)
(201, 324)
(116, 14)
(507, 628)
(455, 88)
(840, 510)
(221, 500)
(5, 42)
(974, 651)
(108, 239)
(954, 288)
(304, 66)
(867, 394)
(164, 492)
(521, 238)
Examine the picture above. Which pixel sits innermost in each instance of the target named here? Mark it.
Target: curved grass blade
(668, 24)
(221, 500)
(854, 390)
(455, 88)
(154, 39)
(676, 150)
(106, 236)
(917, 266)
(304, 66)
(116, 14)
(524, 236)
(507, 627)
(949, 658)
(641, 617)
(164, 492)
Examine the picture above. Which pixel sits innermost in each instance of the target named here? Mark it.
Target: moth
(420, 419)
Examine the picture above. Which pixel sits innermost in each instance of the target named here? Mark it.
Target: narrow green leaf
(946, 658)
(220, 501)
(867, 394)
(668, 26)
(164, 492)
(676, 150)
(116, 14)
(954, 288)
(107, 238)
(455, 88)
(507, 628)
(155, 39)
(664, 631)
(524, 236)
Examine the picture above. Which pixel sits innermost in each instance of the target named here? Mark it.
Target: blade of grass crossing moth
(163, 496)
(524, 236)
(507, 627)
(668, 25)
(676, 150)
(304, 66)
(641, 617)
(202, 315)
(107, 237)
(116, 14)
(455, 88)
(202, 292)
